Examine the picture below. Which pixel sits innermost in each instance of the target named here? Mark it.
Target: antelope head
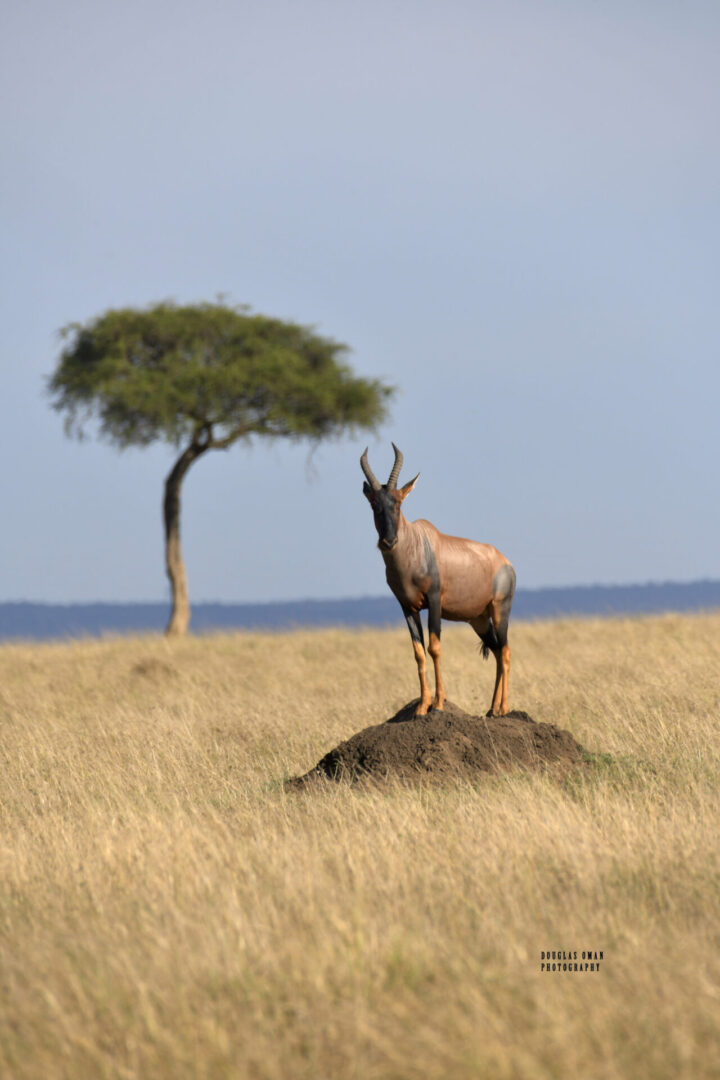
(386, 499)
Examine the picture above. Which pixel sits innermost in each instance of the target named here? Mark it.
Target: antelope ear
(368, 493)
(405, 490)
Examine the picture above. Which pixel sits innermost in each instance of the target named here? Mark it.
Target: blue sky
(511, 211)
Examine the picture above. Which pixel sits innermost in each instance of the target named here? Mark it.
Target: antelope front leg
(418, 641)
(435, 648)
(425, 698)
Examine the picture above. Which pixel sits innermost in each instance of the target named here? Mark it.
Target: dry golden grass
(166, 910)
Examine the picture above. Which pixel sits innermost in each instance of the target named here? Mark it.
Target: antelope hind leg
(496, 707)
(504, 590)
(486, 632)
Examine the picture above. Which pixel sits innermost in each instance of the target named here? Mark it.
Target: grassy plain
(167, 910)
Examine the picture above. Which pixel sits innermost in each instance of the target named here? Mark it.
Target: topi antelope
(456, 579)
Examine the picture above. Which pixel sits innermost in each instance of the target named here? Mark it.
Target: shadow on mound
(446, 744)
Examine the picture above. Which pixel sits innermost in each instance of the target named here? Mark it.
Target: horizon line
(365, 596)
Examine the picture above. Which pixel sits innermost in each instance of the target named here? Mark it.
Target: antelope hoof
(439, 705)
(422, 709)
(497, 712)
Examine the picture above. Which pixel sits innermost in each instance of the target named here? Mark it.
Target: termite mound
(446, 744)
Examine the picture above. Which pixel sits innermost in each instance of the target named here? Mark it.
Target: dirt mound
(445, 744)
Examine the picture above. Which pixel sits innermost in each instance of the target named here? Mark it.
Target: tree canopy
(203, 376)
(209, 372)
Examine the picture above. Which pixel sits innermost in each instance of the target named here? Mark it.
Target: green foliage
(208, 373)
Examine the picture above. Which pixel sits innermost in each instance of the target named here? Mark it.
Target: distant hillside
(43, 621)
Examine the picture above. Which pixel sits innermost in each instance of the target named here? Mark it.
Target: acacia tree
(202, 377)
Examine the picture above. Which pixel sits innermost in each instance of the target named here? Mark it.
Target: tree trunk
(180, 615)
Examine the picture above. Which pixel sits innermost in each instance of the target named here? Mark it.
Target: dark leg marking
(415, 627)
(490, 643)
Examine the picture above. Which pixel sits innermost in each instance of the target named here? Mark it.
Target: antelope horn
(395, 471)
(369, 474)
